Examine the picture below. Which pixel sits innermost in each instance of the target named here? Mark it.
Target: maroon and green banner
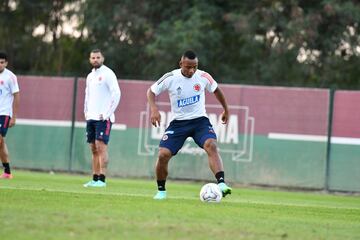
(275, 136)
(344, 165)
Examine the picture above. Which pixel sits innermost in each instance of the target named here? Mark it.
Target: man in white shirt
(186, 87)
(9, 104)
(102, 96)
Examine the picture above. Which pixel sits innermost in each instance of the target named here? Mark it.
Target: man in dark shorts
(9, 104)
(186, 87)
(102, 96)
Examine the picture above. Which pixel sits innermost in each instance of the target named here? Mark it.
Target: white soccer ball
(210, 192)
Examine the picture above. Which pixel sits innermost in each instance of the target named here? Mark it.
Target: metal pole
(73, 119)
(328, 148)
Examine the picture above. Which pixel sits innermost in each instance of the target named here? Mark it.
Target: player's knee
(210, 146)
(94, 148)
(164, 155)
(2, 142)
(101, 147)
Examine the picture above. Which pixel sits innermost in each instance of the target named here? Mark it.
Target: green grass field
(56, 206)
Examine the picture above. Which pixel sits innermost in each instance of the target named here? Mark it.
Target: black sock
(161, 185)
(102, 177)
(6, 168)
(95, 177)
(220, 177)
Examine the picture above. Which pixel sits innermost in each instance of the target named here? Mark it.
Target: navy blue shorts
(200, 129)
(98, 130)
(4, 124)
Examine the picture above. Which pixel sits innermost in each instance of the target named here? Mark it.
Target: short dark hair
(96, 50)
(3, 55)
(190, 54)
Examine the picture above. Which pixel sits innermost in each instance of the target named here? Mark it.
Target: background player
(102, 96)
(9, 103)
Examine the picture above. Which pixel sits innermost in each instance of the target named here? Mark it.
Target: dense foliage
(312, 43)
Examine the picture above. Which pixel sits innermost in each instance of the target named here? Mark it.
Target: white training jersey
(8, 86)
(187, 95)
(102, 94)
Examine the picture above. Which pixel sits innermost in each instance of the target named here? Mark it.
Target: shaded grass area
(55, 206)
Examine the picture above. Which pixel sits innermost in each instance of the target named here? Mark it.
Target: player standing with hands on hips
(102, 96)
(9, 104)
(186, 87)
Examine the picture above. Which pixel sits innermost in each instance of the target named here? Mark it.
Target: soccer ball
(210, 192)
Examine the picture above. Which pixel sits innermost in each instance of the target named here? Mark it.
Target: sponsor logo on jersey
(197, 87)
(188, 101)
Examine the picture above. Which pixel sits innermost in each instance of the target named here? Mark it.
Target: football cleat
(99, 183)
(225, 189)
(90, 183)
(160, 195)
(6, 176)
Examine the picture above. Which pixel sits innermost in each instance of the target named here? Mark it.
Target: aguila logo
(197, 87)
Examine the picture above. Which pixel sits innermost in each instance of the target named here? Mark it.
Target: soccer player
(186, 87)
(9, 103)
(102, 96)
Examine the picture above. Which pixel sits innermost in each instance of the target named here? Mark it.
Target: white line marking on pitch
(313, 138)
(186, 198)
(58, 123)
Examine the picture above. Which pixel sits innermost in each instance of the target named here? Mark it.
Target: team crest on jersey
(188, 101)
(197, 87)
(1, 82)
(165, 137)
(100, 78)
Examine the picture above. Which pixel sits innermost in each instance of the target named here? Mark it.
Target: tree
(37, 52)
(273, 42)
(301, 43)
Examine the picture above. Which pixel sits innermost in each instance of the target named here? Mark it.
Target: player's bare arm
(15, 109)
(221, 98)
(155, 116)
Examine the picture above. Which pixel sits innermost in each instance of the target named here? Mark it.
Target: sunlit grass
(56, 206)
